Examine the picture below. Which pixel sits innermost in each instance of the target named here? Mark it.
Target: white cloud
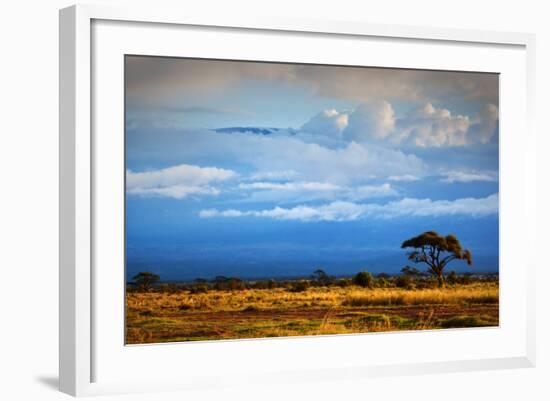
(329, 122)
(269, 155)
(174, 191)
(177, 181)
(273, 175)
(371, 191)
(405, 177)
(350, 211)
(432, 126)
(291, 186)
(375, 120)
(484, 125)
(310, 191)
(461, 176)
(425, 126)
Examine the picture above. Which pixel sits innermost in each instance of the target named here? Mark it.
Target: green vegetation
(364, 279)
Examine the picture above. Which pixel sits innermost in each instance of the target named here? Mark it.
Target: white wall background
(29, 200)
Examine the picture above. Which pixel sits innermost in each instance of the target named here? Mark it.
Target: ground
(154, 316)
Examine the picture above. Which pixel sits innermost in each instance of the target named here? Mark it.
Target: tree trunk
(441, 280)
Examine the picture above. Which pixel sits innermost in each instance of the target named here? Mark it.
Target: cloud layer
(349, 211)
(177, 181)
(425, 126)
(278, 156)
(161, 80)
(461, 176)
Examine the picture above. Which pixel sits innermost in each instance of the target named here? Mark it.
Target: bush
(422, 284)
(199, 288)
(404, 281)
(299, 286)
(235, 284)
(465, 279)
(344, 282)
(168, 288)
(363, 279)
(382, 282)
(452, 278)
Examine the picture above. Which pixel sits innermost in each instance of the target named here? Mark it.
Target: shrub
(425, 283)
(382, 282)
(299, 286)
(199, 288)
(363, 279)
(235, 284)
(404, 281)
(344, 282)
(168, 288)
(452, 278)
(465, 279)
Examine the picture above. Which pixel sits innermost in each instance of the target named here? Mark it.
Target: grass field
(155, 316)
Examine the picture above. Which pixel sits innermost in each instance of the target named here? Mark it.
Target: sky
(260, 170)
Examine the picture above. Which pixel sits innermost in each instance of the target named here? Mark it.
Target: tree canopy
(436, 251)
(145, 280)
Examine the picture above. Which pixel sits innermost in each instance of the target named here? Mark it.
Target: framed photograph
(275, 200)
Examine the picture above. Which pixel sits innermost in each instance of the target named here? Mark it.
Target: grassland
(186, 315)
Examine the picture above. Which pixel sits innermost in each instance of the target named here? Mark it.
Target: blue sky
(349, 162)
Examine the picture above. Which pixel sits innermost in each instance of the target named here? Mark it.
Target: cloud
(162, 80)
(375, 120)
(405, 177)
(291, 186)
(329, 122)
(432, 126)
(267, 155)
(171, 76)
(273, 175)
(310, 191)
(367, 84)
(425, 126)
(350, 211)
(174, 191)
(460, 176)
(177, 181)
(370, 191)
(484, 126)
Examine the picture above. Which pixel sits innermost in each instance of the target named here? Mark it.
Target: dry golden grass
(472, 294)
(253, 313)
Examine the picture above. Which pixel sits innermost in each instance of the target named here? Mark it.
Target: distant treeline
(410, 278)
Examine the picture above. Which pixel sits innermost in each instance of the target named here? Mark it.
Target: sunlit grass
(254, 313)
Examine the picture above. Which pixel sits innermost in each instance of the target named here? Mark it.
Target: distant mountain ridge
(253, 130)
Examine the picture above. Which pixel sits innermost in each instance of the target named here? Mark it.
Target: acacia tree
(436, 251)
(322, 277)
(145, 280)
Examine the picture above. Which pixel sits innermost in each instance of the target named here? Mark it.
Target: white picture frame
(81, 345)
